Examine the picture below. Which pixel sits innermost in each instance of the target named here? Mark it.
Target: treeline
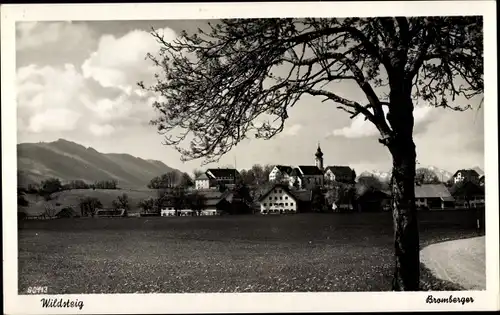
(52, 185)
(170, 180)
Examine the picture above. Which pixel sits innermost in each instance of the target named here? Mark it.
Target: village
(316, 188)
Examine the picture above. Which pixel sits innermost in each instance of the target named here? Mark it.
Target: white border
(243, 302)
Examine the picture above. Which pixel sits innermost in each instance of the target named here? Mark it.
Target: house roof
(303, 195)
(467, 173)
(432, 191)
(466, 188)
(202, 177)
(296, 172)
(342, 171)
(284, 187)
(284, 169)
(310, 170)
(222, 172)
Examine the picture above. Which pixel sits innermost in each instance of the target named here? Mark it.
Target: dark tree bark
(404, 212)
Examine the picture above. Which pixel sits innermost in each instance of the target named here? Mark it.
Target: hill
(68, 160)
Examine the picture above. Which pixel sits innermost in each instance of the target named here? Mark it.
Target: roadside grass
(252, 253)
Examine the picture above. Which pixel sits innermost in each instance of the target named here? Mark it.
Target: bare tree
(221, 85)
(426, 176)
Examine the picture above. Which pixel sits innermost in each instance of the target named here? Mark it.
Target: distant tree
(21, 197)
(197, 202)
(167, 180)
(186, 181)
(197, 173)
(177, 197)
(426, 176)
(147, 205)
(122, 202)
(89, 206)
(369, 182)
(267, 169)
(50, 211)
(339, 193)
(450, 182)
(318, 202)
(77, 184)
(33, 189)
(50, 186)
(219, 83)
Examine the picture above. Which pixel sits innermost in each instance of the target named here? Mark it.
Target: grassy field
(71, 198)
(305, 252)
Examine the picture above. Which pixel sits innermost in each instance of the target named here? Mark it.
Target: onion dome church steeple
(319, 158)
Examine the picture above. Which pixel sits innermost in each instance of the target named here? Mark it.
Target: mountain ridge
(68, 160)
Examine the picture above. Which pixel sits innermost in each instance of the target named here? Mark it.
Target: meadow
(250, 253)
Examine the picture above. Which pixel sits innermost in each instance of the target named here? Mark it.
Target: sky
(78, 81)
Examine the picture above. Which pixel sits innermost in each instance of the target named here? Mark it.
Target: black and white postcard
(249, 157)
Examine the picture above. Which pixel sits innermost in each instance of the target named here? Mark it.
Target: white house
(280, 172)
(202, 182)
(278, 200)
(167, 211)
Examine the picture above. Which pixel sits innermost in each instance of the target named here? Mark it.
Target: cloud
(54, 119)
(47, 98)
(34, 35)
(120, 62)
(57, 99)
(292, 130)
(363, 128)
(101, 130)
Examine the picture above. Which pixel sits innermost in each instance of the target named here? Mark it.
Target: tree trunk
(402, 148)
(406, 237)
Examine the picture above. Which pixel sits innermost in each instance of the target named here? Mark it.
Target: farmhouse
(214, 177)
(277, 200)
(464, 175)
(202, 182)
(433, 197)
(342, 174)
(280, 172)
(468, 195)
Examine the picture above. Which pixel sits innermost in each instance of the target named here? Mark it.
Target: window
(281, 198)
(279, 191)
(286, 197)
(265, 204)
(275, 198)
(291, 204)
(270, 198)
(286, 204)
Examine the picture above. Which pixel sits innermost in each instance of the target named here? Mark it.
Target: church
(310, 176)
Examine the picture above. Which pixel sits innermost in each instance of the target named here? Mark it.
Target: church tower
(319, 158)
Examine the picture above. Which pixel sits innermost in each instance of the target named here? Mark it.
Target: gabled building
(433, 197)
(279, 199)
(202, 182)
(468, 195)
(343, 174)
(215, 177)
(280, 173)
(311, 176)
(466, 175)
